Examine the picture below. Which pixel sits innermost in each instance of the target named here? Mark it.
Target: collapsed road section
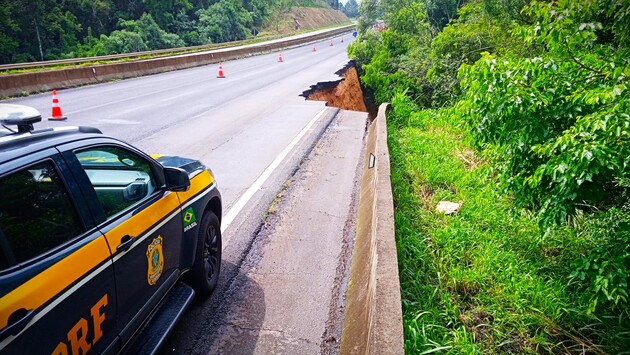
(345, 93)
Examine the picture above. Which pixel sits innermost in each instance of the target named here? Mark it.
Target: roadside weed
(482, 280)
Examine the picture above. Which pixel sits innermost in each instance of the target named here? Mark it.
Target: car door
(57, 289)
(141, 221)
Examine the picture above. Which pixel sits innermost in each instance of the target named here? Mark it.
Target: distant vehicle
(95, 239)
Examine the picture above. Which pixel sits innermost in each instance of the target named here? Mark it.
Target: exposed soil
(303, 18)
(309, 18)
(345, 94)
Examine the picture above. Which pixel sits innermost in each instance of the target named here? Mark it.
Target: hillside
(39, 30)
(516, 111)
(300, 18)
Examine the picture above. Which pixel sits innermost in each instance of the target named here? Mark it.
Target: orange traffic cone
(280, 57)
(220, 71)
(56, 109)
(314, 50)
(331, 43)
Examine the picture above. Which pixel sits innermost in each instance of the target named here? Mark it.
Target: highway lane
(236, 125)
(252, 128)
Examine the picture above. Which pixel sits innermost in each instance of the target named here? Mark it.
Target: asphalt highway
(253, 130)
(236, 125)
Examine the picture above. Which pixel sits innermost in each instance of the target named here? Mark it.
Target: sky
(345, 1)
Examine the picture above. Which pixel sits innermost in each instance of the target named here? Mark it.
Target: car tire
(204, 274)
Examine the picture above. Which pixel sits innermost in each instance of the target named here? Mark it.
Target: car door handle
(125, 243)
(15, 326)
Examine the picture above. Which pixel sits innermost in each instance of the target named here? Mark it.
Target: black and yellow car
(102, 247)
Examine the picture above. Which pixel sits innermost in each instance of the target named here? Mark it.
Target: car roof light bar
(19, 115)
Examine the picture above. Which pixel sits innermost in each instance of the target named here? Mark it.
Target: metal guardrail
(38, 80)
(174, 51)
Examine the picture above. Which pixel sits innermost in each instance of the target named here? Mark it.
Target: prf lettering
(77, 336)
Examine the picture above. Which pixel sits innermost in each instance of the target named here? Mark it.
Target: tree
(9, 27)
(164, 12)
(560, 116)
(440, 12)
(42, 29)
(123, 41)
(224, 21)
(370, 11)
(351, 9)
(153, 35)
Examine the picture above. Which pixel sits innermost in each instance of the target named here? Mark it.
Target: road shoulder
(292, 283)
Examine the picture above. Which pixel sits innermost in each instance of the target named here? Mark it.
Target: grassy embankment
(482, 280)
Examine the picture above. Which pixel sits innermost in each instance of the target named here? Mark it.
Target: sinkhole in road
(345, 93)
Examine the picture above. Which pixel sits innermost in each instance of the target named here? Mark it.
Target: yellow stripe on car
(49, 283)
(138, 224)
(41, 288)
(197, 184)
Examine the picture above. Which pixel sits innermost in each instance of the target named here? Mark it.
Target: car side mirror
(176, 179)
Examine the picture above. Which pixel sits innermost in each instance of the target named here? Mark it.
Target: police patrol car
(95, 237)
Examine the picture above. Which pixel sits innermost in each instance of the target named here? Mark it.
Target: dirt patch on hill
(304, 18)
(345, 94)
(309, 18)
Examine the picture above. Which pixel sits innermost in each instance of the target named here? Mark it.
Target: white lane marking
(244, 199)
(118, 122)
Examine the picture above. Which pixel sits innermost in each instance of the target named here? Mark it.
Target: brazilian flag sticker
(189, 219)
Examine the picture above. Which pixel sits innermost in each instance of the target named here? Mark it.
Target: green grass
(483, 280)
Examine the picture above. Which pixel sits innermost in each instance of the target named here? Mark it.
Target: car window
(120, 177)
(36, 213)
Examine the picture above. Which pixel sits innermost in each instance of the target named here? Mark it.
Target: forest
(37, 30)
(518, 109)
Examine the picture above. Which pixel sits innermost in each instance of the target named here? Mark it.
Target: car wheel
(204, 274)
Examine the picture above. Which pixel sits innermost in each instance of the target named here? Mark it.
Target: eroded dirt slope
(303, 18)
(345, 94)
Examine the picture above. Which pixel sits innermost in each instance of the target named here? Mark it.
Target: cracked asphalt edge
(331, 337)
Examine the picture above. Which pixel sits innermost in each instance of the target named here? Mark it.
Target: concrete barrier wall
(373, 315)
(18, 84)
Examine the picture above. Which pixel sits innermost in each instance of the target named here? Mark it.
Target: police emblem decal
(155, 260)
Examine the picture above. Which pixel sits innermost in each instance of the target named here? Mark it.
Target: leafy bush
(134, 36)
(543, 94)
(154, 36)
(607, 267)
(408, 56)
(123, 41)
(559, 119)
(462, 42)
(224, 21)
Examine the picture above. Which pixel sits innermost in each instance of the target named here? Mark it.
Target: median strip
(24, 83)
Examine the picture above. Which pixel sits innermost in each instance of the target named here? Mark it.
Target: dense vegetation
(32, 30)
(351, 8)
(519, 109)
